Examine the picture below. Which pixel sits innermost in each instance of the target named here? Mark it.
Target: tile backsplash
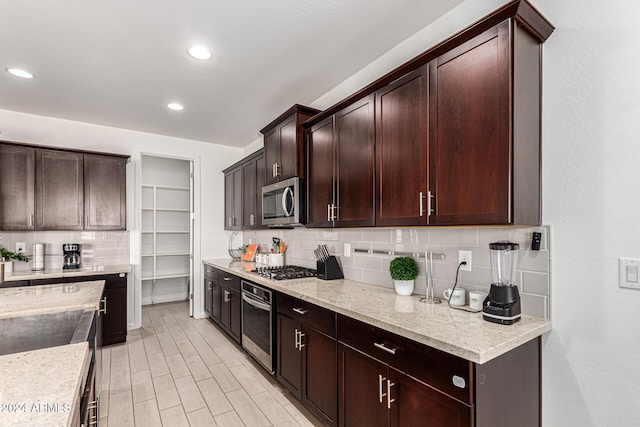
(533, 267)
(98, 247)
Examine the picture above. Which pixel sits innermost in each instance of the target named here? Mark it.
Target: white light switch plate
(347, 250)
(630, 273)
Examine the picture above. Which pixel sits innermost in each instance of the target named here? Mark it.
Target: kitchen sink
(44, 330)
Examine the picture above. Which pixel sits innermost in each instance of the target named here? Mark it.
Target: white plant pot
(404, 287)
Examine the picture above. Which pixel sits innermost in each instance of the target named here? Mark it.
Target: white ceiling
(119, 62)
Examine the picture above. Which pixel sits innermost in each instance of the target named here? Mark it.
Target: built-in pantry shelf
(166, 223)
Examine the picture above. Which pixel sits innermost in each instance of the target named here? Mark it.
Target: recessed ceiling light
(175, 106)
(20, 73)
(200, 52)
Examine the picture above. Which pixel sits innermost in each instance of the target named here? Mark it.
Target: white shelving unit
(167, 230)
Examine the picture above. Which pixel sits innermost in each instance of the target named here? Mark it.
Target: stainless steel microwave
(282, 203)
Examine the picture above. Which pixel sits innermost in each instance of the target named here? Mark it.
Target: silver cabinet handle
(31, 220)
(103, 310)
(226, 296)
(421, 197)
(429, 197)
(328, 211)
(300, 343)
(278, 168)
(381, 393)
(297, 339)
(210, 284)
(227, 279)
(252, 219)
(385, 348)
(389, 399)
(300, 310)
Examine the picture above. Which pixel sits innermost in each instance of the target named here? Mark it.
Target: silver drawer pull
(227, 279)
(385, 348)
(103, 310)
(300, 310)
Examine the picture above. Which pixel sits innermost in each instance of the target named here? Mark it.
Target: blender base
(502, 305)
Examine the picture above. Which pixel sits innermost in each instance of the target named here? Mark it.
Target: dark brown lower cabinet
(230, 305)
(114, 320)
(374, 394)
(307, 350)
(212, 293)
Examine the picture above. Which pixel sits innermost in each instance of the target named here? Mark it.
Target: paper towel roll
(37, 260)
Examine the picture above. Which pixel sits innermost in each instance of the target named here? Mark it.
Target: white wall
(591, 126)
(210, 239)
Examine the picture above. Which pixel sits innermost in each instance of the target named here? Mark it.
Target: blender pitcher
(503, 303)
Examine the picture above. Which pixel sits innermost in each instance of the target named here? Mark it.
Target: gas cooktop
(286, 272)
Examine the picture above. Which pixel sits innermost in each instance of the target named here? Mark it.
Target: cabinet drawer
(310, 314)
(230, 280)
(431, 366)
(210, 273)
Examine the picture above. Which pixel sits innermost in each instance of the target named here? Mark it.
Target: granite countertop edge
(456, 332)
(55, 273)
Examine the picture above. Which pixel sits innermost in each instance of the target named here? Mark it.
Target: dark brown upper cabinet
(105, 192)
(59, 190)
(457, 128)
(284, 144)
(17, 188)
(340, 168)
(484, 118)
(233, 198)
(402, 150)
(252, 182)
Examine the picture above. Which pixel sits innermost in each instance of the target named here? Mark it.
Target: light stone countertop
(28, 300)
(59, 272)
(41, 387)
(456, 332)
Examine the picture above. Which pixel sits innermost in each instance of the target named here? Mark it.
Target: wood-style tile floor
(179, 371)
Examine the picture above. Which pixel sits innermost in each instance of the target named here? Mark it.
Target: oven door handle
(256, 304)
(287, 194)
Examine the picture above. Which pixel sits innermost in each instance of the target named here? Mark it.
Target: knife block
(329, 269)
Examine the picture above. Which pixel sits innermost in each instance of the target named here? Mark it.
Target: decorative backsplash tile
(98, 247)
(533, 267)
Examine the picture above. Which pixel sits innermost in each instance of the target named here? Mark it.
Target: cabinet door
(233, 199)
(59, 190)
(414, 404)
(260, 181)
(320, 374)
(320, 174)
(17, 190)
(470, 164)
(354, 160)
(271, 154)
(289, 369)
(235, 314)
(104, 192)
(114, 321)
(288, 164)
(215, 299)
(249, 189)
(208, 295)
(402, 151)
(361, 386)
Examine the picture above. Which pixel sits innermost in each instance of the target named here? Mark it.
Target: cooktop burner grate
(286, 272)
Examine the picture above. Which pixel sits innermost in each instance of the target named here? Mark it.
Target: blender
(503, 303)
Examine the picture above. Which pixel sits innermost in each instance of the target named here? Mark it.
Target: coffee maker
(71, 256)
(503, 303)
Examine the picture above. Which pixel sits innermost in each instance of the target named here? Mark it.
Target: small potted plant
(404, 271)
(6, 257)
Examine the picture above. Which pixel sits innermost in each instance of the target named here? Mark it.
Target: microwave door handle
(286, 194)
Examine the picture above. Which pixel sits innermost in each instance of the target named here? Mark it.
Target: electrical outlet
(466, 257)
(347, 250)
(21, 247)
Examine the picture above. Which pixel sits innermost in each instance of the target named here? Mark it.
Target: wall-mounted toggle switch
(629, 273)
